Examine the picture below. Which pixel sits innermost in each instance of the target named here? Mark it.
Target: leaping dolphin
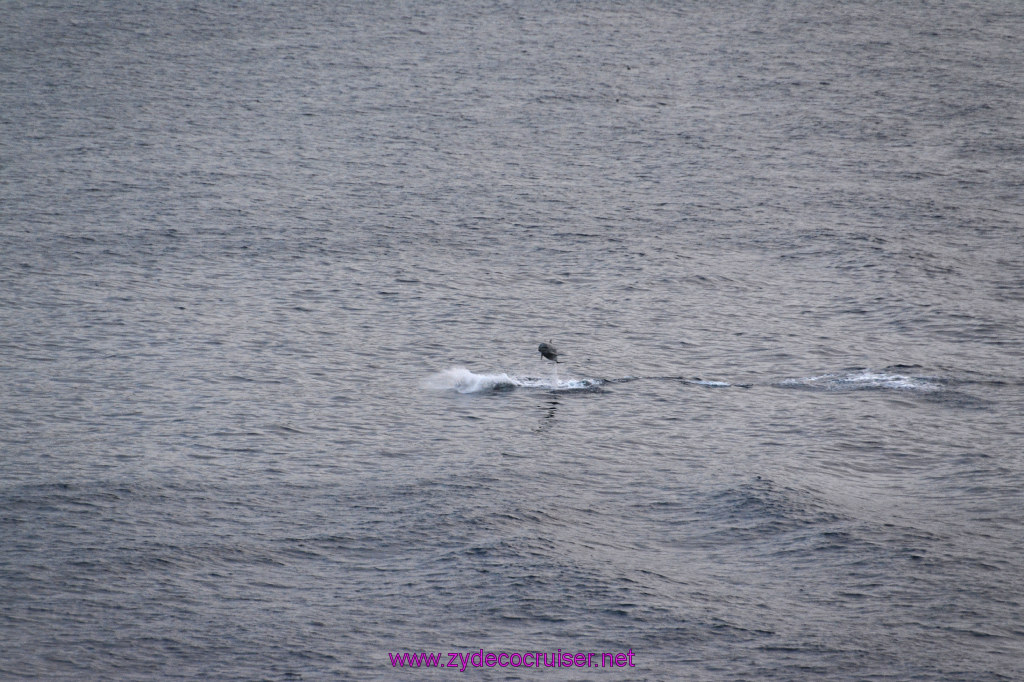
(548, 351)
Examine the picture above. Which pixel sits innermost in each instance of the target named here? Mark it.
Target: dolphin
(548, 351)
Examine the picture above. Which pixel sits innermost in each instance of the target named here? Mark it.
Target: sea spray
(462, 380)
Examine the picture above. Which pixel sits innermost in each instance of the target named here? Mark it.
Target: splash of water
(462, 380)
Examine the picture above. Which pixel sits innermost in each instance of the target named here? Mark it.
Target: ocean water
(272, 280)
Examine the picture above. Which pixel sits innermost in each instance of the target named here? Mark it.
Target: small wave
(863, 379)
(462, 380)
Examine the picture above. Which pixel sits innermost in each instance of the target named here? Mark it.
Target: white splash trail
(462, 380)
(864, 379)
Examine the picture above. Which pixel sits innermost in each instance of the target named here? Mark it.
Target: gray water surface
(272, 279)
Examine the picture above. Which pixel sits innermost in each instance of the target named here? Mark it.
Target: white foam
(462, 380)
(865, 379)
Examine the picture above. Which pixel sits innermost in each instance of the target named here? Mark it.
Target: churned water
(272, 280)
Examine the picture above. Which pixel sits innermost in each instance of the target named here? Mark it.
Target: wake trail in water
(864, 379)
(462, 380)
